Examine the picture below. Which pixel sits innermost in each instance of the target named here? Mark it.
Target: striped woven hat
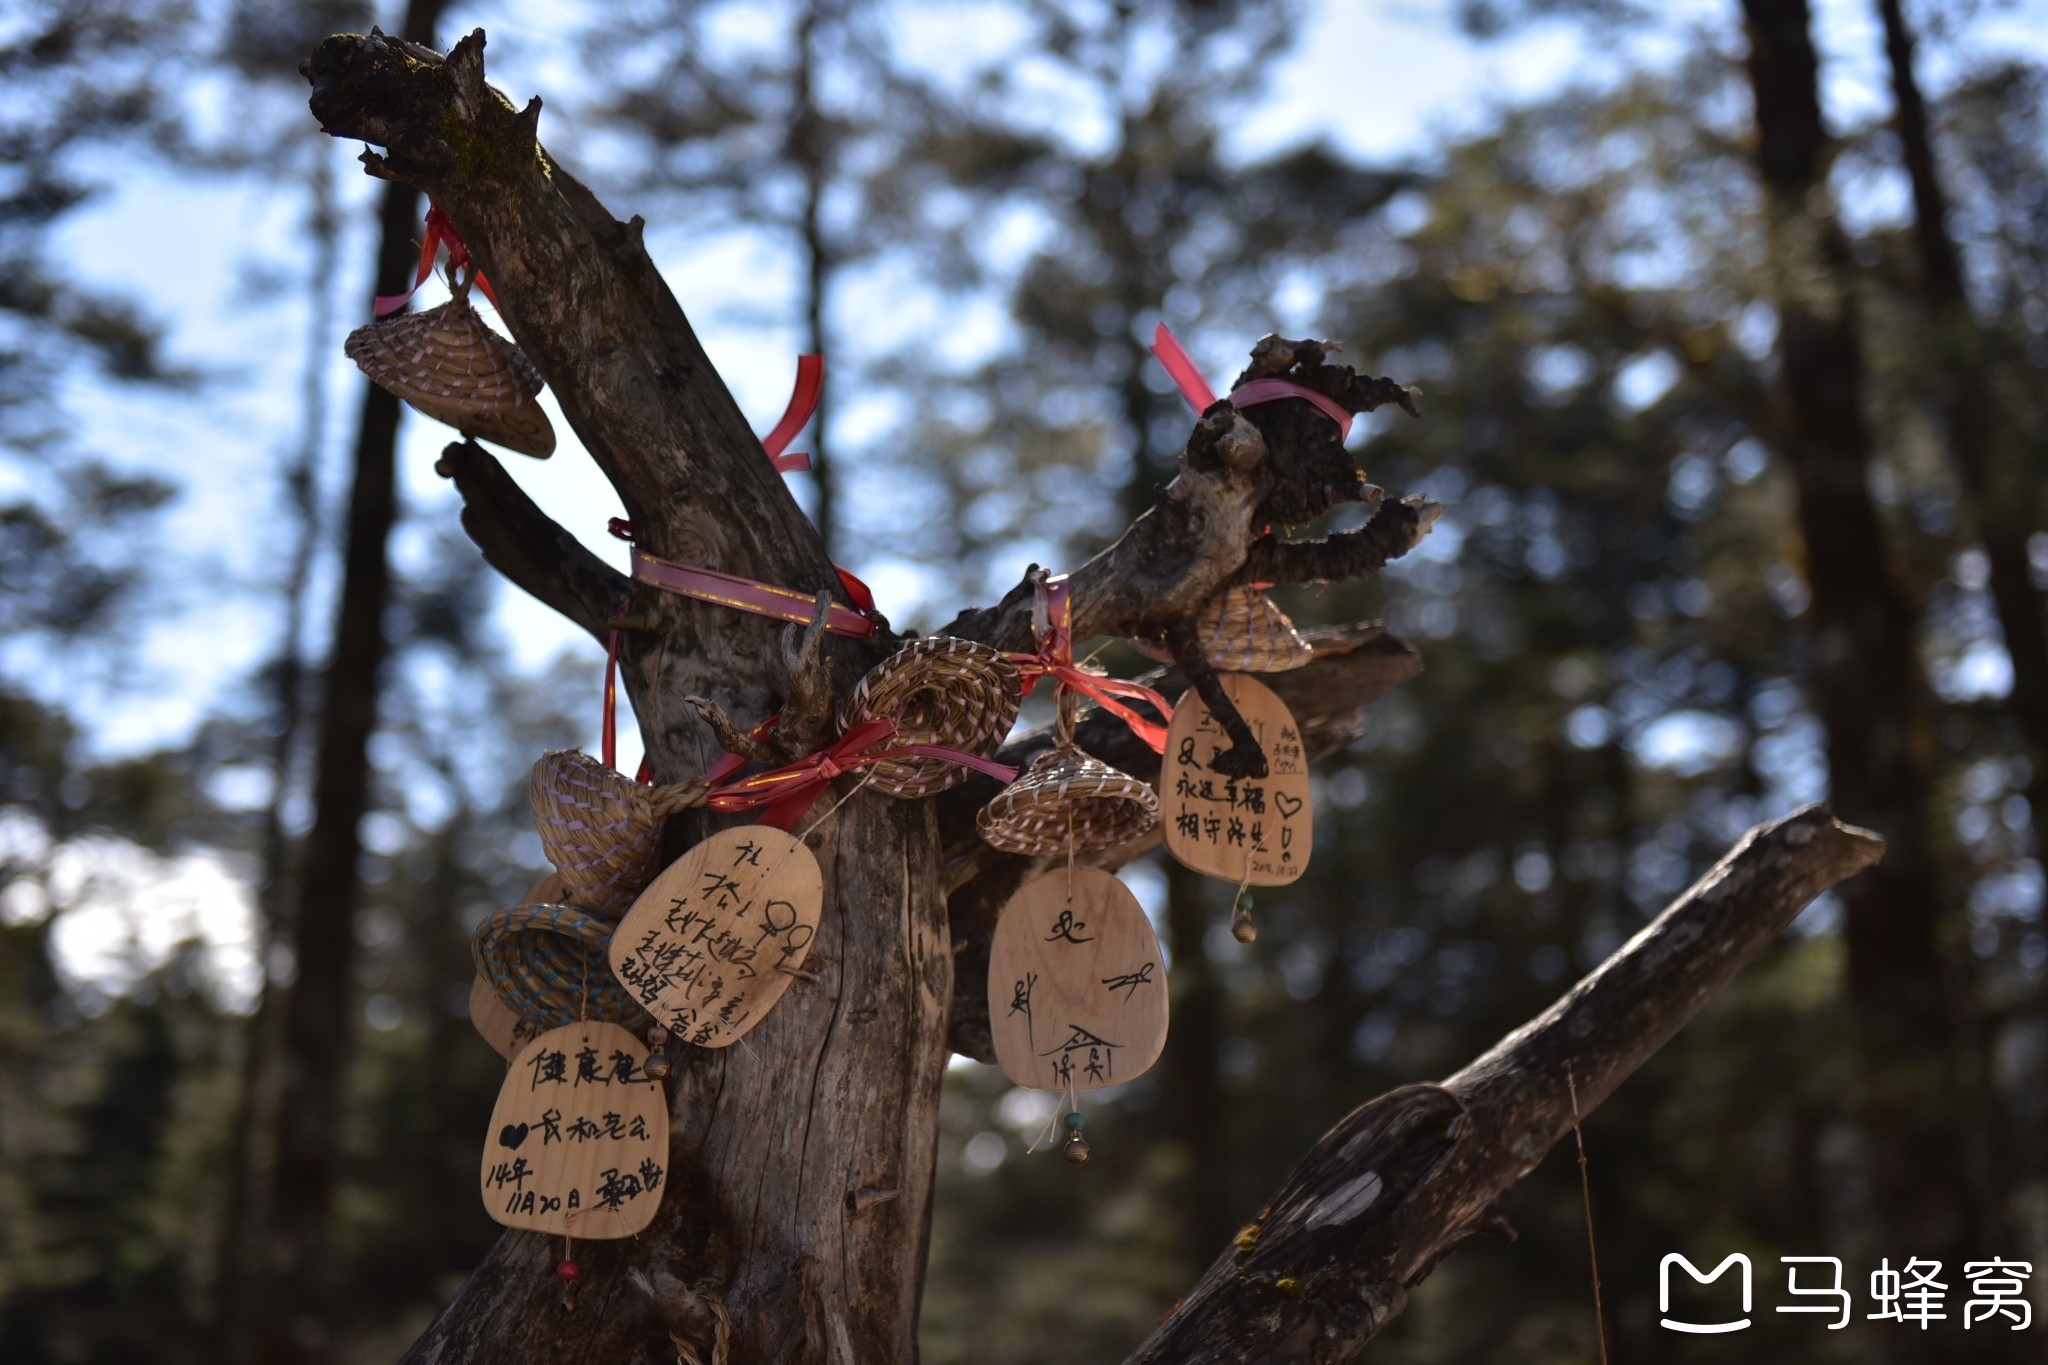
(1066, 799)
(1242, 632)
(601, 830)
(955, 693)
(451, 366)
(548, 964)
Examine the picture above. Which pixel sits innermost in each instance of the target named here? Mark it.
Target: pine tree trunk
(1865, 674)
(319, 1010)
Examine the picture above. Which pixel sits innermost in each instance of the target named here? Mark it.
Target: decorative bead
(1077, 1150)
(1241, 927)
(1074, 1121)
(657, 1065)
(567, 1271)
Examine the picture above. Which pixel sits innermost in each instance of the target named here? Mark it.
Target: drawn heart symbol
(513, 1135)
(1290, 806)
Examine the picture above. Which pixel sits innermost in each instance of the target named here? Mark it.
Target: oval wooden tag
(497, 1021)
(1076, 985)
(1224, 826)
(703, 948)
(578, 1143)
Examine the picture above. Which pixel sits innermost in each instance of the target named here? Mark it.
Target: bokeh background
(1546, 215)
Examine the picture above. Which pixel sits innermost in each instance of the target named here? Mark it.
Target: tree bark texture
(796, 1217)
(1865, 675)
(318, 1027)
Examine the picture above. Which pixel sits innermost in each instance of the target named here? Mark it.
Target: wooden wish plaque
(1076, 985)
(704, 948)
(578, 1143)
(1256, 829)
(497, 1021)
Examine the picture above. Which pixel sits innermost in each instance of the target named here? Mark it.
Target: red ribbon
(1053, 618)
(1201, 397)
(608, 739)
(439, 230)
(803, 401)
(789, 791)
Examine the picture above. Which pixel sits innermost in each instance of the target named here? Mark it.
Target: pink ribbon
(439, 230)
(1053, 620)
(1201, 397)
(745, 594)
(787, 792)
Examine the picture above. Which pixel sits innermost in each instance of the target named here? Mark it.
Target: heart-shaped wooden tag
(1229, 826)
(1076, 985)
(705, 947)
(578, 1142)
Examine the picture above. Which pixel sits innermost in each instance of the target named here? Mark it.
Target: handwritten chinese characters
(705, 947)
(1226, 826)
(1076, 991)
(578, 1142)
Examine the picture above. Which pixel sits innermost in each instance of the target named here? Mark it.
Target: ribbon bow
(789, 791)
(439, 230)
(1201, 397)
(1052, 616)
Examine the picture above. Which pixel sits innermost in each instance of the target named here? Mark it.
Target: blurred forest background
(1736, 396)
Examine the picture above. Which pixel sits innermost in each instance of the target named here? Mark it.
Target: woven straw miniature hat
(451, 366)
(548, 964)
(1066, 799)
(600, 829)
(955, 693)
(1243, 632)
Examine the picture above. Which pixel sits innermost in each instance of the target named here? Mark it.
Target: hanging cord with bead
(1241, 927)
(567, 1271)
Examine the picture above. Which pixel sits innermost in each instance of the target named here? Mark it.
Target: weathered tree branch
(1276, 463)
(1400, 1182)
(526, 545)
(1395, 529)
(1353, 667)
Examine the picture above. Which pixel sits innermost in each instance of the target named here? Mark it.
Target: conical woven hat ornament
(547, 963)
(954, 693)
(1241, 631)
(1067, 800)
(600, 829)
(451, 366)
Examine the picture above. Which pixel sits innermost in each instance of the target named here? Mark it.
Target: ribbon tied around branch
(440, 231)
(1052, 616)
(1201, 397)
(784, 794)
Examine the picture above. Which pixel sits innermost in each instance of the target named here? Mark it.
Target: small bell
(1077, 1146)
(656, 1065)
(1241, 927)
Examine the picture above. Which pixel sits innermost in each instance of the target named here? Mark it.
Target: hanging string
(1586, 1195)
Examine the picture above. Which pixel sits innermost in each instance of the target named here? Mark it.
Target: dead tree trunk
(796, 1219)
